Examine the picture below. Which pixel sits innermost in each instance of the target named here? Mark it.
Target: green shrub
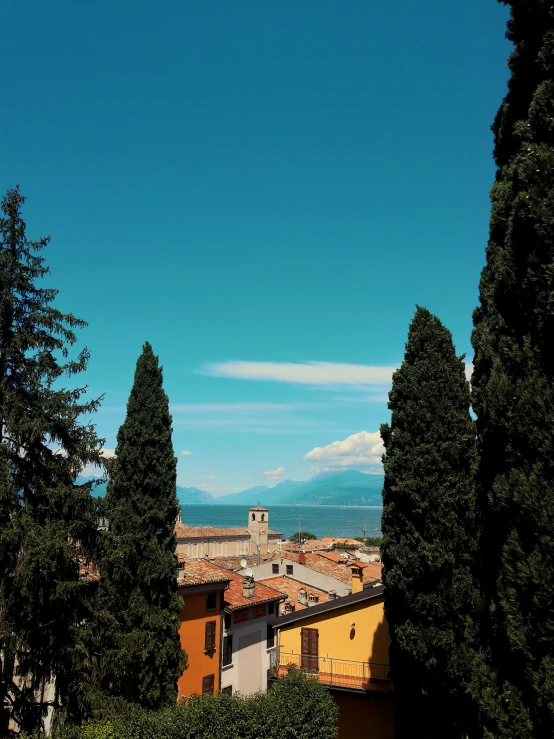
(296, 707)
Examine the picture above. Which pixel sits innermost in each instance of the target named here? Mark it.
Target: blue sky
(262, 190)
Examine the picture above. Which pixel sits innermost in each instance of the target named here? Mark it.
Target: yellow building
(344, 643)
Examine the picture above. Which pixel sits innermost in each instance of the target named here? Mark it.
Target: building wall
(374, 713)
(192, 635)
(236, 546)
(248, 671)
(302, 574)
(368, 641)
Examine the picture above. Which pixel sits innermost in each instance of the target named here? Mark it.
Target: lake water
(320, 520)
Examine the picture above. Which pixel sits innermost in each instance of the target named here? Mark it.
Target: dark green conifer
(47, 524)
(513, 392)
(429, 529)
(141, 653)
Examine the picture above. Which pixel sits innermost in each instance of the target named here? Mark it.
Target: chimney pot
(248, 587)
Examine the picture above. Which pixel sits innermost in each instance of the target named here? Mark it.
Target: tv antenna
(363, 529)
(299, 519)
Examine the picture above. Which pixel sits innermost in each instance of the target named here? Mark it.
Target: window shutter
(209, 643)
(208, 685)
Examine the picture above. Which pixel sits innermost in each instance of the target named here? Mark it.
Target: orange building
(202, 587)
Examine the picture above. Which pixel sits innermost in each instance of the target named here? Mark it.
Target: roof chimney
(332, 594)
(302, 597)
(302, 559)
(357, 577)
(248, 587)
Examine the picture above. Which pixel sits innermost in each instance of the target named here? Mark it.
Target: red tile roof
(319, 562)
(182, 531)
(201, 572)
(234, 598)
(291, 588)
(234, 563)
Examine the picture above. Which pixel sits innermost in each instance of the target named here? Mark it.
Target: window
(208, 685)
(227, 650)
(275, 569)
(270, 637)
(263, 516)
(271, 608)
(289, 570)
(227, 690)
(211, 601)
(253, 516)
(227, 620)
(209, 637)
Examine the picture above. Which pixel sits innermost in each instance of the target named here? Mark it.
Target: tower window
(263, 516)
(253, 516)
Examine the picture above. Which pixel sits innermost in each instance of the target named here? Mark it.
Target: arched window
(263, 516)
(253, 516)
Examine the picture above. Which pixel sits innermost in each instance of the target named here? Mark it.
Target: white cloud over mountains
(306, 373)
(275, 474)
(362, 450)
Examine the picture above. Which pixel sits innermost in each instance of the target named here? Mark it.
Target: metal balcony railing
(339, 673)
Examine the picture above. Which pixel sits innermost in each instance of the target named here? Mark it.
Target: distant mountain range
(329, 488)
(349, 487)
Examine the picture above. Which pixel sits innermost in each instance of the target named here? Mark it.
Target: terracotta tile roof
(373, 571)
(337, 556)
(291, 588)
(87, 571)
(367, 594)
(201, 572)
(234, 563)
(339, 540)
(319, 562)
(182, 531)
(234, 598)
(313, 545)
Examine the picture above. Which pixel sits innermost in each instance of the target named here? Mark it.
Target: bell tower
(258, 527)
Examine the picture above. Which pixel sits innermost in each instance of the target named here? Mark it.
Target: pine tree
(428, 526)
(513, 391)
(47, 523)
(142, 657)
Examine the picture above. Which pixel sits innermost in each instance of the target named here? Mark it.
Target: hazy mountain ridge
(348, 487)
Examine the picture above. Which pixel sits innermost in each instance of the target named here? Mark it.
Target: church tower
(258, 527)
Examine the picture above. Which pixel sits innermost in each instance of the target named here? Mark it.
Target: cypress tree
(513, 391)
(47, 523)
(428, 526)
(141, 654)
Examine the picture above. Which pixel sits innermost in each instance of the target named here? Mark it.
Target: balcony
(334, 673)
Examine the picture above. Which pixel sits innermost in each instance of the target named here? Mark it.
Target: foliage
(299, 537)
(297, 707)
(371, 541)
(344, 545)
(513, 394)
(429, 525)
(138, 620)
(48, 525)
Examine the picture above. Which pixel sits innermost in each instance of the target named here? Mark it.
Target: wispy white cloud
(238, 407)
(362, 450)
(108, 453)
(306, 373)
(186, 453)
(275, 474)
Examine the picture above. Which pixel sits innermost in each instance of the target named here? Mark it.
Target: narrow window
(263, 516)
(289, 570)
(209, 640)
(227, 651)
(275, 569)
(228, 690)
(227, 620)
(208, 685)
(270, 637)
(211, 601)
(253, 516)
(271, 608)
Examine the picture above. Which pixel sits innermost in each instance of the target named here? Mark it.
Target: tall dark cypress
(142, 657)
(429, 533)
(513, 390)
(47, 523)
